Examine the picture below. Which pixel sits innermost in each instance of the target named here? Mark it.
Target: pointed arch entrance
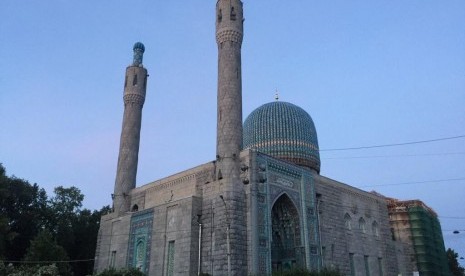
(286, 243)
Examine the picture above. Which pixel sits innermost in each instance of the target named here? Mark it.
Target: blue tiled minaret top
(139, 50)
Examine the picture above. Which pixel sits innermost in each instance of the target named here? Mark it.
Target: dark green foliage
(46, 270)
(304, 272)
(121, 272)
(25, 210)
(22, 213)
(454, 265)
(85, 227)
(44, 248)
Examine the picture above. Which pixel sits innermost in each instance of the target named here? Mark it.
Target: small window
(112, 259)
(134, 81)
(352, 264)
(233, 14)
(220, 15)
(380, 266)
(367, 265)
(135, 208)
(170, 261)
(348, 221)
(375, 229)
(362, 225)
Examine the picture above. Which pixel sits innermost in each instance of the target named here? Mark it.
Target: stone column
(134, 96)
(231, 247)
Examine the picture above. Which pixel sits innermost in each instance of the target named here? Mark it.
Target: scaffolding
(423, 233)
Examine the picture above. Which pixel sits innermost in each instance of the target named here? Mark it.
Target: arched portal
(286, 243)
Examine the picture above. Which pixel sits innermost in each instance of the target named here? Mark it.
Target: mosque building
(260, 206)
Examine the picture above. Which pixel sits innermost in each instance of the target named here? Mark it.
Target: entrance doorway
(286, 243)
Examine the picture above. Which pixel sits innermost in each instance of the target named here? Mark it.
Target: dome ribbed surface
(285, 131)
(139, 46)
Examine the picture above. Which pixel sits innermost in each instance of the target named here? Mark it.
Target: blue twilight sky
(369, 72)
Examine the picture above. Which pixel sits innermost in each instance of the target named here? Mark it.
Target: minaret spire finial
(276, 96)
(139, 50)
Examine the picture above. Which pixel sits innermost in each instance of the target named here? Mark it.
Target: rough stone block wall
(175, 222)
(113, 237)
(370, 246)
(214, 238)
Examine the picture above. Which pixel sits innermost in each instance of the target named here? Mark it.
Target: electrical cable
(414, 182)
(396, 144)
(394, 155)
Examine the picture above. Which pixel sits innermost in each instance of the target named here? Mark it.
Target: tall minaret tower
(229, 33)
(230, 201)
(135, 85)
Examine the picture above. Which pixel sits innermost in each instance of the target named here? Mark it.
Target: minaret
(230, 249)
(135, 85)
(229, 33)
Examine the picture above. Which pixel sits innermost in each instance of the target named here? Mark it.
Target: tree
(5, 235)
(22, 211)
(64, 209)
(121, 272)
(454, 265)
(26, 211)
(45, 251)
(47, 270)
(85, 228)
(75, 229)
(67, 201)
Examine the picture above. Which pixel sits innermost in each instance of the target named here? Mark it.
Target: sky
(369, 72)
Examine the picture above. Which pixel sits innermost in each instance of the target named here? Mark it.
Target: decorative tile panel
(140, 240)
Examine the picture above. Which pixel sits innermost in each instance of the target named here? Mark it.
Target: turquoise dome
(284, 131)
(139, 46)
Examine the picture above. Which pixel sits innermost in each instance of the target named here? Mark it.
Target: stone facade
(261, 206)
(355, 232)
(331, 224)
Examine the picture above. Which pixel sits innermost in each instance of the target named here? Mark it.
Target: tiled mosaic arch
(286, 234)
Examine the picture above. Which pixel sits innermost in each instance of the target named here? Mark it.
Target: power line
(396, 144)
(395, 155)
(415, 182)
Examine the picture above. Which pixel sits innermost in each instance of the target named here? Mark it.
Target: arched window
(134, 81)
(233, 14)
(362, 225)
(375, 229)
(348, 221)
(135, 208)
(220, 15)
(140, 254)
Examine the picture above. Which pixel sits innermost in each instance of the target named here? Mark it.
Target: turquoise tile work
(285, 131)
(140, 240)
